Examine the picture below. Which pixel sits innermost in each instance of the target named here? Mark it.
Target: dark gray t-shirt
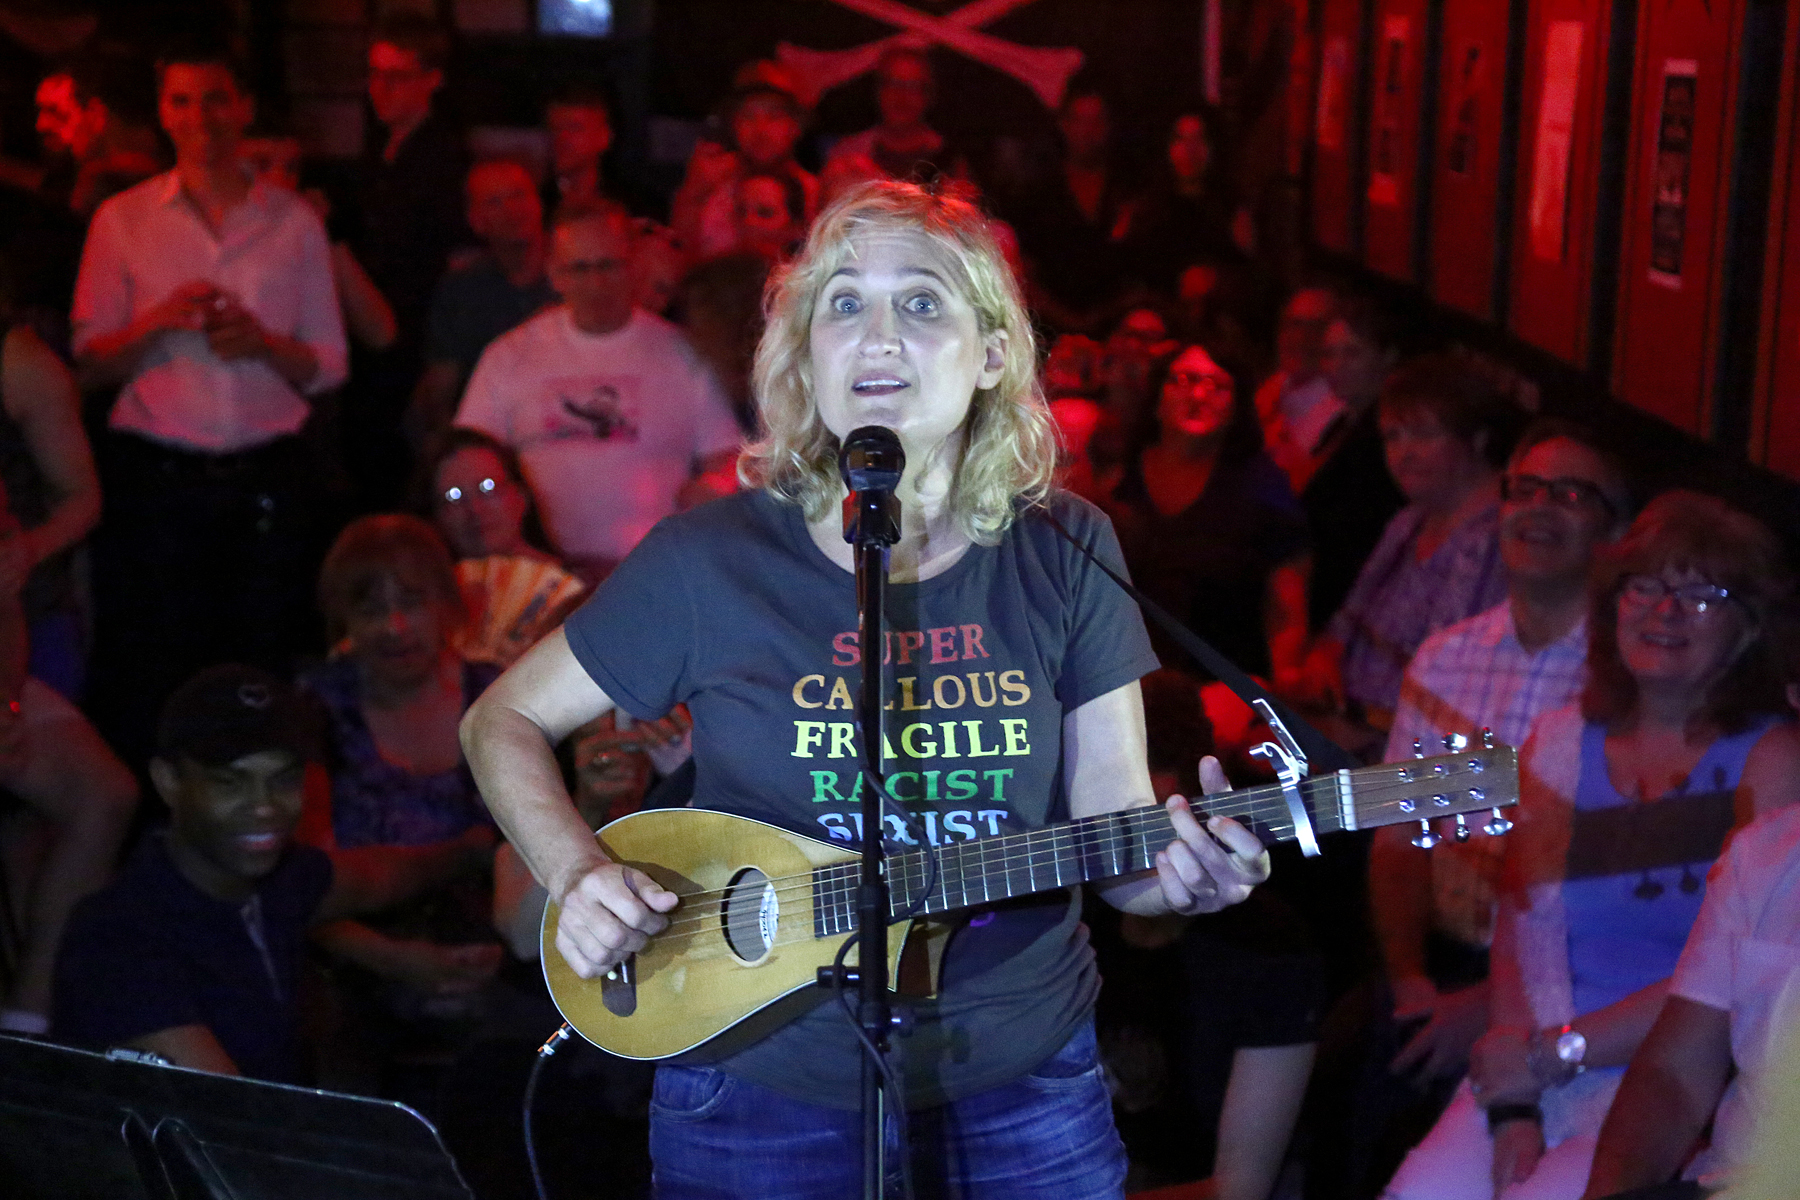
(476, 304)
(732, 610)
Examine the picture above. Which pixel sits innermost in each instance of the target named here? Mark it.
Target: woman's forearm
(367, 314)
(516, 770)
(1508, 1003)
(111, 359)
(72, 519)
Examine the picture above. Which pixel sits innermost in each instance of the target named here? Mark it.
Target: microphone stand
(872, 464)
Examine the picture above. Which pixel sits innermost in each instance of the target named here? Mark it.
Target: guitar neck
(1077, 852)
(989, 870)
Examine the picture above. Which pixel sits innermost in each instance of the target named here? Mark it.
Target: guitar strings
(1025, 848)
(1255, 798)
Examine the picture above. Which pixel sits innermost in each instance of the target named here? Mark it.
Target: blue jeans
(1046, 1136)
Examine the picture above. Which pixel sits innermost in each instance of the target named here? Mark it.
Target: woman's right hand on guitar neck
(608, 915)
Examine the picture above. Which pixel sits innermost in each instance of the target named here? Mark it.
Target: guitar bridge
(618, 988)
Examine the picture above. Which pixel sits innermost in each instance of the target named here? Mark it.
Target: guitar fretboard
(992, 869)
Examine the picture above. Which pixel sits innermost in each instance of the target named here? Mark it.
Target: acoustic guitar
(763, 909)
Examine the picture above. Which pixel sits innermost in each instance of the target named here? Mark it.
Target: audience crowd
(293, 467)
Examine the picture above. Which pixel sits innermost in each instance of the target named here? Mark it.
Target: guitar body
(724, 958)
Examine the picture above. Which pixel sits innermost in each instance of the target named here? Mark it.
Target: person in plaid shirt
(1563, 496)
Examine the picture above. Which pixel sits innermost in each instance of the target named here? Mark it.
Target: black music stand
(75, 1125)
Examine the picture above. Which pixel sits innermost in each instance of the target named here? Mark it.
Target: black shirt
(411, 217)
(474, 305)
(1209, 564)
(1078, 261)
(1348, 503)
(151, 951)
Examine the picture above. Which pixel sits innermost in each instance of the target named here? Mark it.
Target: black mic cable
(544, 1052)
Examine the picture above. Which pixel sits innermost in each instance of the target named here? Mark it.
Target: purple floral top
(374, 802)
(1398, 601)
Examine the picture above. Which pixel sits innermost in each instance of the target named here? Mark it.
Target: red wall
(1465, 188)
(1775, 432)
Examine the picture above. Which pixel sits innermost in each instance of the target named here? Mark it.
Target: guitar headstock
(1479, 779)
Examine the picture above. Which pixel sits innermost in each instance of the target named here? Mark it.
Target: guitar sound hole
(751, 916)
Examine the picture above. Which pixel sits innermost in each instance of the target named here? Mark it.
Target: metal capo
(1290, 763)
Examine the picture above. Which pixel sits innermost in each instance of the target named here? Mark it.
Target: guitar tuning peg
(1462, 829)
(1455, 742)
(1426, 839)
(1418, 748)
(1487, 739)
(1496, 825)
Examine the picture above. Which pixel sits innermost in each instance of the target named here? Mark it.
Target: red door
(1391, 164)
(1466, 168)
(1337, 126)
(1557, 180)
(1676, 197)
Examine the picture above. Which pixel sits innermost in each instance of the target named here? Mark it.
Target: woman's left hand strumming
(1212, 866)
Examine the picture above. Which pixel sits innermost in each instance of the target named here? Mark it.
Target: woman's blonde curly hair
(1009, 449)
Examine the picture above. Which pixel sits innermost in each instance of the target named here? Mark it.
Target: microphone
(871, 463)
(871, 459)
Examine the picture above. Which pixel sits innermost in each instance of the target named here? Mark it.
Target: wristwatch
(1555, 1057)
(1571, 1048)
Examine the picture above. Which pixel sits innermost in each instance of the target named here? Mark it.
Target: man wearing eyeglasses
(1563, 497)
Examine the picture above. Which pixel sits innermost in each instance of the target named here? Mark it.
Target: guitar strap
(1321, 751)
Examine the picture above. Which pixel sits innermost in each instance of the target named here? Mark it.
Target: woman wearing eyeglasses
(515, 589)
(1209, 526)
(1626, 799)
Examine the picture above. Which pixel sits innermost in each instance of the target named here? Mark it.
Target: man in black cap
(194, 951)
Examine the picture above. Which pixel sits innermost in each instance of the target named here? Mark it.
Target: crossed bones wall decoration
(1045, 70)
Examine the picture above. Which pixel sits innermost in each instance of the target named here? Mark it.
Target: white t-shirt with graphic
(608, 426)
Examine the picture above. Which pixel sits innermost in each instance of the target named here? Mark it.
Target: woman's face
(765, 131)
(1189, 151)
(764, 222)
(1665, 643)
(398, 631)
(657, 263)
(1197, 397)
(895, 343)
(1430, 464)
(479, 509)
(1356, 368)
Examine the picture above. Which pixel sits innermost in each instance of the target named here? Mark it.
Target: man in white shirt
(616, 420)
(207, 299)
(1714, 1051)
